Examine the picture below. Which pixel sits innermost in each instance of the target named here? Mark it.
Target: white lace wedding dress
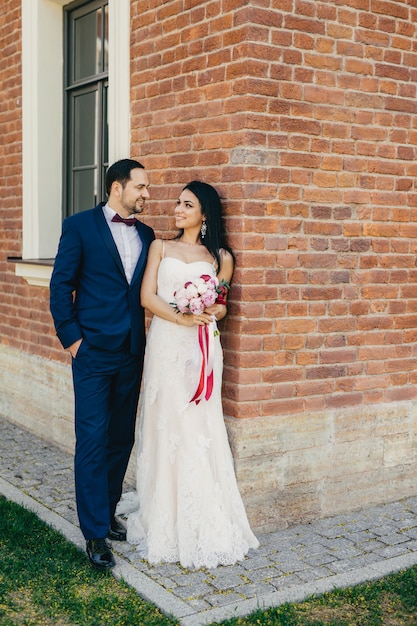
(188, 507)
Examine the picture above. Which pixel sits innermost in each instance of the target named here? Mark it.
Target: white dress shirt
(127, 240)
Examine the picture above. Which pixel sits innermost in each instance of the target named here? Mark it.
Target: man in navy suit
(98, 318)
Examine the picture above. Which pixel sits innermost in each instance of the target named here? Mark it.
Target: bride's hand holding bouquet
(200, 300)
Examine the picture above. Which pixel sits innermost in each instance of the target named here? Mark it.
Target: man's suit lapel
(140, 266)
(104, 230)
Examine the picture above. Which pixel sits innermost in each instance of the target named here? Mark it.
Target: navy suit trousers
(106, 388)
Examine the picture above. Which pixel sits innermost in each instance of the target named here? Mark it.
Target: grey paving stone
(314, 573)
(228, 581)
(360, 536)
(394, 510)
(199, 590)
(168, 569)
(262, 575)
(356, 563)
(320, 559)
(386, 527)
(315, 549)
(225, 571)
(192, 578)
(285, 582)
(412, 504)
(122, 548)
(290, 565)
(366, 559)
(390, 551)
(256, 563)
(165, 582)
(252, 591)
(345, 552)
(334, 532)
(360, 525)
(338, 567)
(198, 604)
(293, 562)
(333, 542)
(224, 599)
(371, 546)
(411, 533)
(394, 538)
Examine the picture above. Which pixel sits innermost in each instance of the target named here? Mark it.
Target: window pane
(106, 40)
(105, 147)
(85, 190)
(85, 136)
(105, 129)
(88, 45)
(86, 62)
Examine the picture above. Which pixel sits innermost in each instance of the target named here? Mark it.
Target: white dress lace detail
(188, 507)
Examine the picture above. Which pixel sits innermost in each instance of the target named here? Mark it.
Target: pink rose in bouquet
(200, 293)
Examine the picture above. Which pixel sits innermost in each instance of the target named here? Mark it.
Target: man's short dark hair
(120, 172)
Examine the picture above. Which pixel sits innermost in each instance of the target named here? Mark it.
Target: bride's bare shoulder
(169, 244)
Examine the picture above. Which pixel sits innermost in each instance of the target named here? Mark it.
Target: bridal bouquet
(195, 297)
(200, 293)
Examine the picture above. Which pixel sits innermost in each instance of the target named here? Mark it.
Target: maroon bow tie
(129, 221)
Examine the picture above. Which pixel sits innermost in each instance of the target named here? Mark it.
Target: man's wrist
(73, 348)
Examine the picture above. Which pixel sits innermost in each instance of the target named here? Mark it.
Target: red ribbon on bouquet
(206, 382)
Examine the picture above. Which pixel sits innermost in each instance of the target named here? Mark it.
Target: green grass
(391, 601)
(46, 581)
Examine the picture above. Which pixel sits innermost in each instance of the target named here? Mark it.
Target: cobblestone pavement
(289, 565)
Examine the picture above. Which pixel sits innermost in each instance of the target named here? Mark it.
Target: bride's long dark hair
(211, 208)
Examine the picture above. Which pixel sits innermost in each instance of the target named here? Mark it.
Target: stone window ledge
(34, 271)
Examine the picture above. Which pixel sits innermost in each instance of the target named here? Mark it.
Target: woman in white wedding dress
(189, 508)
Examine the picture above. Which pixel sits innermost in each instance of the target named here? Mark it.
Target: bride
(188, 507)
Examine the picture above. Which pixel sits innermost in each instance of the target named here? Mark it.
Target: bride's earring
(203, 230)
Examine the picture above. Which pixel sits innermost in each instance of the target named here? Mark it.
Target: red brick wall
(10, 149)
(25, 322)
(303, 114)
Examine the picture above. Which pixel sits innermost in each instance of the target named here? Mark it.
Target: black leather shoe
(99, 554)
(117, 530)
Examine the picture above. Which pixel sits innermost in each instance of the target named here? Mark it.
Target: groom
(94, 301)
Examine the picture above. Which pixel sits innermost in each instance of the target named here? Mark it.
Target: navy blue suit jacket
(89, 294)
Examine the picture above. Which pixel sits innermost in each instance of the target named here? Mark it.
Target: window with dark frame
(85, 111)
